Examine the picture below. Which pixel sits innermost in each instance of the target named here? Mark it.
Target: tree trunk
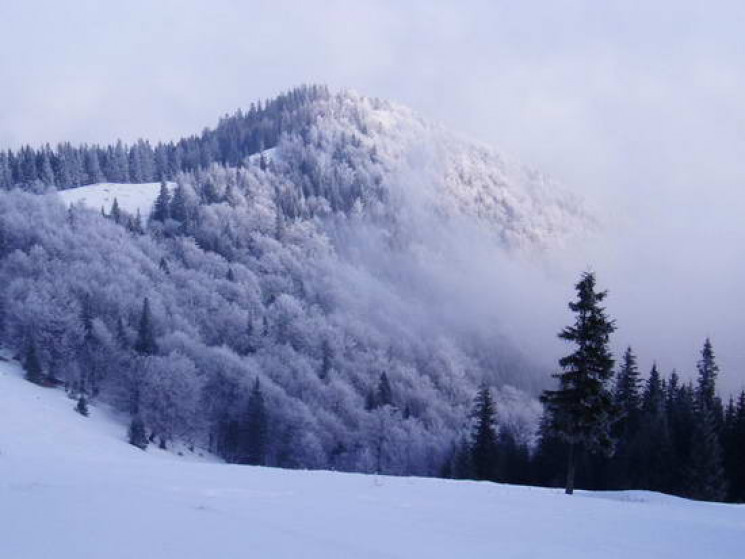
(570, 470)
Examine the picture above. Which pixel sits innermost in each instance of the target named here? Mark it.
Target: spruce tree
(122, 339)
(161, 209)
(178, 209)
(115, 213)
(627, 385)
(622, 468)
(582, 409)
(484, 437)
(735, 451)
(708, 370)
(384, 394)
(32, 365)
(146, 344)
(82, 406)
(327, 357)
(706, 479)
(653, 461)
(256, 428)
(136, 434)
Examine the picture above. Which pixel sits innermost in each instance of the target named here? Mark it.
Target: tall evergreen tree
(708, 370)
(628, 385)
(146, 344)
(136, 434)
(582, 409)
(706, 479)
(653, 462)
(735, 450)
(32, 365)
(327, 356)
(82, 406)
(161, 209)
(622, 469)
(384, 394)
(256, 428)
(484, 436)
(179, 209)
(115, 213)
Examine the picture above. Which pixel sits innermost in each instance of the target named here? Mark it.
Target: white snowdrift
(71, 487)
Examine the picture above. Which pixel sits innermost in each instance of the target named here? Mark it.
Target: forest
(233, 317)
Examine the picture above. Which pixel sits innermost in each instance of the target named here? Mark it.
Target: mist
(636, 107)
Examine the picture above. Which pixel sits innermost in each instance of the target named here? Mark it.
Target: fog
(636, 106)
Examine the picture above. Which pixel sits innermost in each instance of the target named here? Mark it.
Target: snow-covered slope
(130, 197)
(71, 487)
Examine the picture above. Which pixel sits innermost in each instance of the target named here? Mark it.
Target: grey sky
(639, 106)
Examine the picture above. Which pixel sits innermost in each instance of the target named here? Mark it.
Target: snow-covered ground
(71, 487)
(130, 197)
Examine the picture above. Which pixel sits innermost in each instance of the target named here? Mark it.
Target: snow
(269, 155)
(130, 197)
(71, 487)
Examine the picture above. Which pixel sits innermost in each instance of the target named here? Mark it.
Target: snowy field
(130, 197)
(71, 487)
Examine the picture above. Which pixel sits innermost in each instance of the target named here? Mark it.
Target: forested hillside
(281, 306)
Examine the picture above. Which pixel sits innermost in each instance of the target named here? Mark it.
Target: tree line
(234, 138)
(605, 427)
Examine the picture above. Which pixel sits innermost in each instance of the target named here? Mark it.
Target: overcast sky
(638, 106)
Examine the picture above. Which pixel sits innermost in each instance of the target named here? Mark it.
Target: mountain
(335, 262)
(100, 497)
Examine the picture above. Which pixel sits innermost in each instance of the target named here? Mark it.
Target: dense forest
(280, 305)
(235, 137)
(657, 433)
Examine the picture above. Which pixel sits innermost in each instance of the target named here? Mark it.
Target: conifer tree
(86, 317)
(653, 461)
(653, 398)
(622, 468)
(256, 427)
(582, 409)
(706, 479)
(32, 365)
(179, 209)
(484, 437)
(708, 370)
(122, 339)
(627, 385)
(384, 394)
(326, 360)
(146, 344)
(161, 208)
(82, 406)
(735, 450)
(115, 213)
(136, 434)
